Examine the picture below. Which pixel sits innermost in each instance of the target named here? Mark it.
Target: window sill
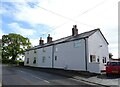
(94, 62)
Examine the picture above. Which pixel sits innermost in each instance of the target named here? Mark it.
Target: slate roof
(70, 38)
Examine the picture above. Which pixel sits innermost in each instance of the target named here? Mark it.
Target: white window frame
(93, 58)
(77, 43)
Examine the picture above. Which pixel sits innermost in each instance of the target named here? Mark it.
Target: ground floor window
(27, 60)
(43, 59)
(104, 59)
(34, 61)
(92, 58)
(55, 57)
(98, 60)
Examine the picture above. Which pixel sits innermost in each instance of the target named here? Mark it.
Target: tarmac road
(23, 76)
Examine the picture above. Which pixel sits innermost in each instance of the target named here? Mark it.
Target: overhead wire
(71, 19)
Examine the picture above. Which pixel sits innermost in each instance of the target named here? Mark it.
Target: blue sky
(38, 18)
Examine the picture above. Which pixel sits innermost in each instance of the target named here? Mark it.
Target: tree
(14, 45)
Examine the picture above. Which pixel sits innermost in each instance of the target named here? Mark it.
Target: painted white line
(34, 76)
(40, 78)
(82, 81)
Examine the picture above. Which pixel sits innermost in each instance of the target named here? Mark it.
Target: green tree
(14, 45)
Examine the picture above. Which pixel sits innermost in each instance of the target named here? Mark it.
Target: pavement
(99, 79)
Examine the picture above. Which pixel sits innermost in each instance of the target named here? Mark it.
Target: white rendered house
(87, 51)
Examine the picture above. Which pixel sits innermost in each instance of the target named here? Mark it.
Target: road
(24, 76)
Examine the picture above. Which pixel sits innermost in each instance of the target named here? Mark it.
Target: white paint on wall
(45, 57)
(97, 46)
(70, 56)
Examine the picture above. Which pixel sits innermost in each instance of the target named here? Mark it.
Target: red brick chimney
(74, 30)
(49, 39)
(41, 42)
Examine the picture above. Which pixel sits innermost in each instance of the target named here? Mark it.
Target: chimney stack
(74, 30)
(41, 42)
(49, 39)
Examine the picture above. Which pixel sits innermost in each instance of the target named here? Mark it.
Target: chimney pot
(74, 30)
(41, 42)
(48, 35)
(75, 26)
(49, 39)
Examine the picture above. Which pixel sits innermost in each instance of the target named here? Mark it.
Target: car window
(115, 63)
(119, 63)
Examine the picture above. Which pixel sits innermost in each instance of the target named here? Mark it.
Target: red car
(113, 67)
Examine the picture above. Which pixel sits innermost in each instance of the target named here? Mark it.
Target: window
(27, 60)
(34, 61)
(27, 52)
(98, 60)
(35, 51)
(43, 59)
(55, 57)
(92, 58)
(43, 49)
(56, 49)
(77, 43)
(104, 59)
(115, 63)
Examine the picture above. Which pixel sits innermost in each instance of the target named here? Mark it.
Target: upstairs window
(44, 50)
(92, 58)
(27, 52)
(56, 49)
(77, 43)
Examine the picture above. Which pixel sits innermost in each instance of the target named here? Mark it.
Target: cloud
(17, 29)
(34, 42)
(1, 33)
(104, 17)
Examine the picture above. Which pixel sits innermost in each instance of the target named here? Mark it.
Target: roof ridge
(78, 34)
(67, 38)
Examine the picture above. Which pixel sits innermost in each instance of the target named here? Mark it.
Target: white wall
(73, 58)
(31, 56)
(45, 57)
(94, 42)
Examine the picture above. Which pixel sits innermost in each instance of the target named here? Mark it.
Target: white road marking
(35, 76)
(82, 81)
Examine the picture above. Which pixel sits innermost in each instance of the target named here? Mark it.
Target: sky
(38, 18)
